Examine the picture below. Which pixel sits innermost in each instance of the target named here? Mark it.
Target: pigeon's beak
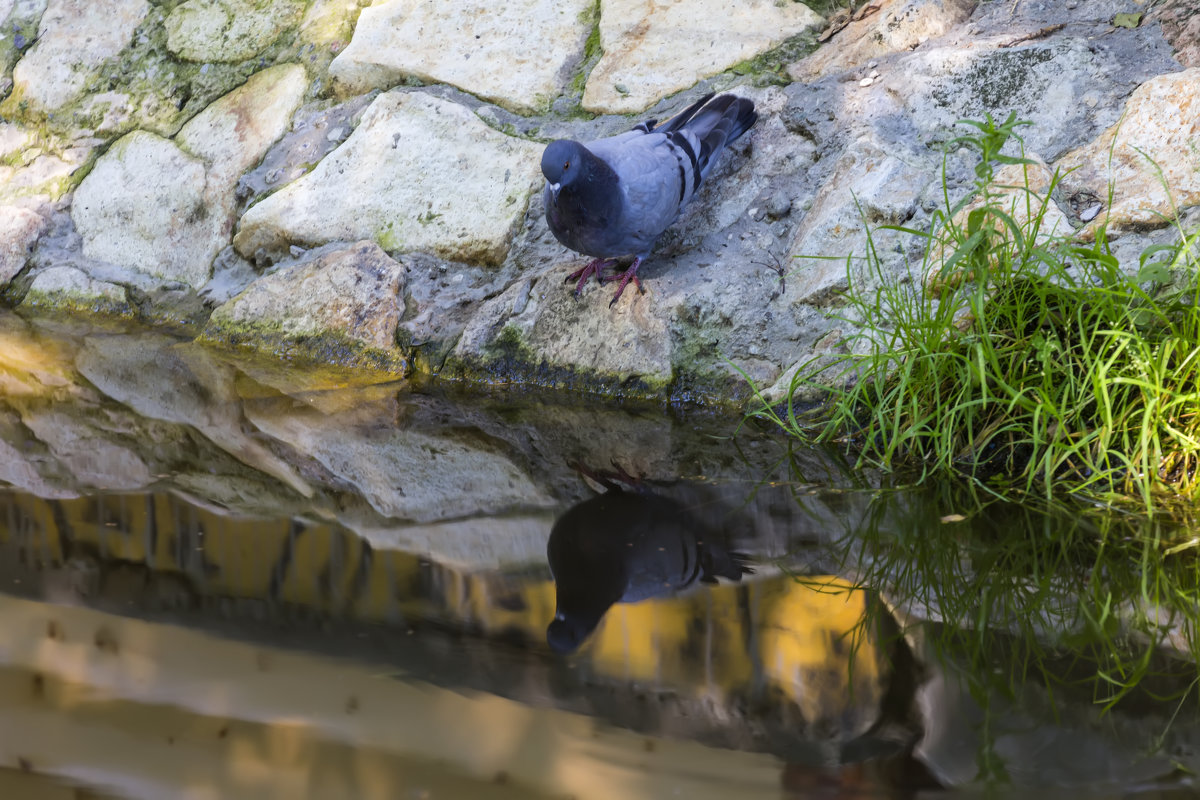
(554, 187)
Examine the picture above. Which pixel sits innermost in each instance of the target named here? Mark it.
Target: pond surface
(222, 577)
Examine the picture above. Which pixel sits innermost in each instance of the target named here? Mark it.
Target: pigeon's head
(566, 633)
(562, 163)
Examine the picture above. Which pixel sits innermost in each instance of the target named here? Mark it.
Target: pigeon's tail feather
(683, 117)
(745, 119)
(725, 565)
(718, 124)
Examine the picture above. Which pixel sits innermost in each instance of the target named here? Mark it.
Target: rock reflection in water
(624, 546)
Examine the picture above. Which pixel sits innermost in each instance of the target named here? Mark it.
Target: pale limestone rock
(227, 30)
(353, 296)
(69, 287)
(402, 473)
(516, 54)
(654, 49)
(144, 206)
(46, 178)
(1180, 20)
(75, 37)
(234, 132)
(151, 207)
(894, 26)
(419, 173)
(14, 139)
(36, 166)
(19, 229)
(1162, 121)
(328, 23)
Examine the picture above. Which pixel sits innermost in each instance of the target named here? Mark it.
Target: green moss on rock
(316, 348)
(509, 360)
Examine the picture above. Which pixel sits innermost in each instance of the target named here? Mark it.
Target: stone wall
(361, 184)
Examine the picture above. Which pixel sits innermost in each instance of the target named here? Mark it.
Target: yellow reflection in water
(228, 719)
(32, 367)
(801, 640)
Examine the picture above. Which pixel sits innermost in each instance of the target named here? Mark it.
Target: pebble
(866, 81)
(1089, 214)
(778, 205)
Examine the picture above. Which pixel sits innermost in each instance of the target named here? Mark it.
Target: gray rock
(1043, 78)
(552, 327)
(869, 187)
(302, 146)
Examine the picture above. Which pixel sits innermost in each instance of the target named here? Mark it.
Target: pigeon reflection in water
(622, 547)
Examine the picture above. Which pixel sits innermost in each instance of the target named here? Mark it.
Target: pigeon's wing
(657, 174)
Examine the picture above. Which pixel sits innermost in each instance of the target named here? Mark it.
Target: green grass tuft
(1021, 356)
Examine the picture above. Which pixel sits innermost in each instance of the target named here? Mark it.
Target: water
(223, 577)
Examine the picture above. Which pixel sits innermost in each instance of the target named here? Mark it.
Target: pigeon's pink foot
(589, 269)
(625, 277)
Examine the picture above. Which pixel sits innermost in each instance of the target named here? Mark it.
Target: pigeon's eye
(566, 165)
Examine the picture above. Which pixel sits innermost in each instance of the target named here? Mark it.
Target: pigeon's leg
(625, 277)
(589, 269)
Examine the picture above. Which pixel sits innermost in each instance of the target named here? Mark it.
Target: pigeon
(622, 547)
(614, 197)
